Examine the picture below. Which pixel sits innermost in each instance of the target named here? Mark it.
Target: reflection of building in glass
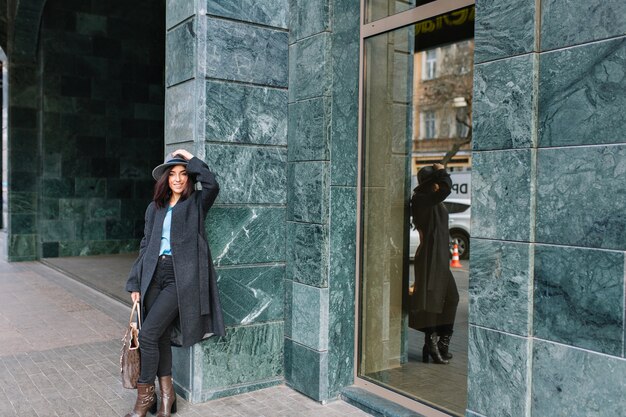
(442, 97)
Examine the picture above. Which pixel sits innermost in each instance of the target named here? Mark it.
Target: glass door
(416, 117)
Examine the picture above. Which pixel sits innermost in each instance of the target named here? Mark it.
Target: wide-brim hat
(425, 175)
(170, 161)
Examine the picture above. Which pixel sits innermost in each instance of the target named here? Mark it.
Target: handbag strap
(132, 312)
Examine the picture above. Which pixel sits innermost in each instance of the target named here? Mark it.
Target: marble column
(23, 160)
(547, 264)
(226, 101)
(321, 200)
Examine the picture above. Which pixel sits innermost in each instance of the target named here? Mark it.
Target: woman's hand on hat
(438, 166)
(184, 153)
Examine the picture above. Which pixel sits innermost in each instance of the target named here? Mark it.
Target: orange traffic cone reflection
(455, 263)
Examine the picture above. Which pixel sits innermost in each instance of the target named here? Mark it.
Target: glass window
(378, 9)
(428, 125)
(429, 69)
(416, 86)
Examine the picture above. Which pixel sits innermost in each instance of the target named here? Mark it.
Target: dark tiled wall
(101, 123)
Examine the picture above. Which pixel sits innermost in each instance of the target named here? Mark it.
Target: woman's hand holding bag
(130, 359)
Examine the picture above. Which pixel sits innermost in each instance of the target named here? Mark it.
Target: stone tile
(57, 230)
(563, 176)
(61, 187)
(97, 247)
(90, 187)
(180, 113)
(91, 24)
(504, 115)
(498, 368)
(500, 286)
(177, 11)
(577, 100)
(345, 92)
(308, 18)
(22, 78)
(576, 383)
(309, 316)
(22, 247)
(49, 249)
(52, 165)
(308, 192)
(181, 368)
(504, 28)
(252, 295)
(103, 208)
(309, 66)
(245, 114)
(601, 20)
(249, 174)
(288, 306)
(376, 405)
(265, 12)
(579, 297)
(97, 229)
(23, 223)
(180, 56)
(72, 208)
(309, 130)
(117, 229)
(246, 235)
(307, 254)
(341, 285)
(495, 201)
(242, 52)
(22, 202)
(148, 111)
(253, 354)
(306, 370)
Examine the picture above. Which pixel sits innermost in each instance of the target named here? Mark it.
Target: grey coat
(200, 313)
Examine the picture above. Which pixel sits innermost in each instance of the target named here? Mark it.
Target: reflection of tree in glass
(449, 95)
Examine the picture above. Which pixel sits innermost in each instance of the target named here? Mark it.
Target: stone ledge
(375, 405)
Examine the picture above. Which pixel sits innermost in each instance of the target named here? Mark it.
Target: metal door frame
(369, 30)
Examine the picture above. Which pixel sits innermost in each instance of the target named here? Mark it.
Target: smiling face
(178, 179)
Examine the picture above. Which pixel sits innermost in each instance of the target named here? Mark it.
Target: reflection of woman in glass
(435, 296)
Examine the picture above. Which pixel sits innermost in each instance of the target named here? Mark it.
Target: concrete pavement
(59, 353)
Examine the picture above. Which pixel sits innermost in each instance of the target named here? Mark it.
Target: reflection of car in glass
(459, 223)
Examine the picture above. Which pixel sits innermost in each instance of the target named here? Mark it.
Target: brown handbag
(130, 358)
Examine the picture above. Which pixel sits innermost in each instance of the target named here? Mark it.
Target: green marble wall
(321, 196)
(274, 114)
(547, 330)
(86, 127)
(226, 101)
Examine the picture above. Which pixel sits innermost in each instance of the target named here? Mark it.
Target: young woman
(173, 276)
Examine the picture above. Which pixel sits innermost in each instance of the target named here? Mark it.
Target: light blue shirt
(166, 249)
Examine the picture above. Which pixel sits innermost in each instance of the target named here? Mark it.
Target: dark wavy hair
(162, 192)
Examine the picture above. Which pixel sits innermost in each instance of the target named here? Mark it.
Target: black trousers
(443, 323)
(160, 311)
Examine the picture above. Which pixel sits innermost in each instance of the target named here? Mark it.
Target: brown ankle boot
(146, 400)
(168, 397)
